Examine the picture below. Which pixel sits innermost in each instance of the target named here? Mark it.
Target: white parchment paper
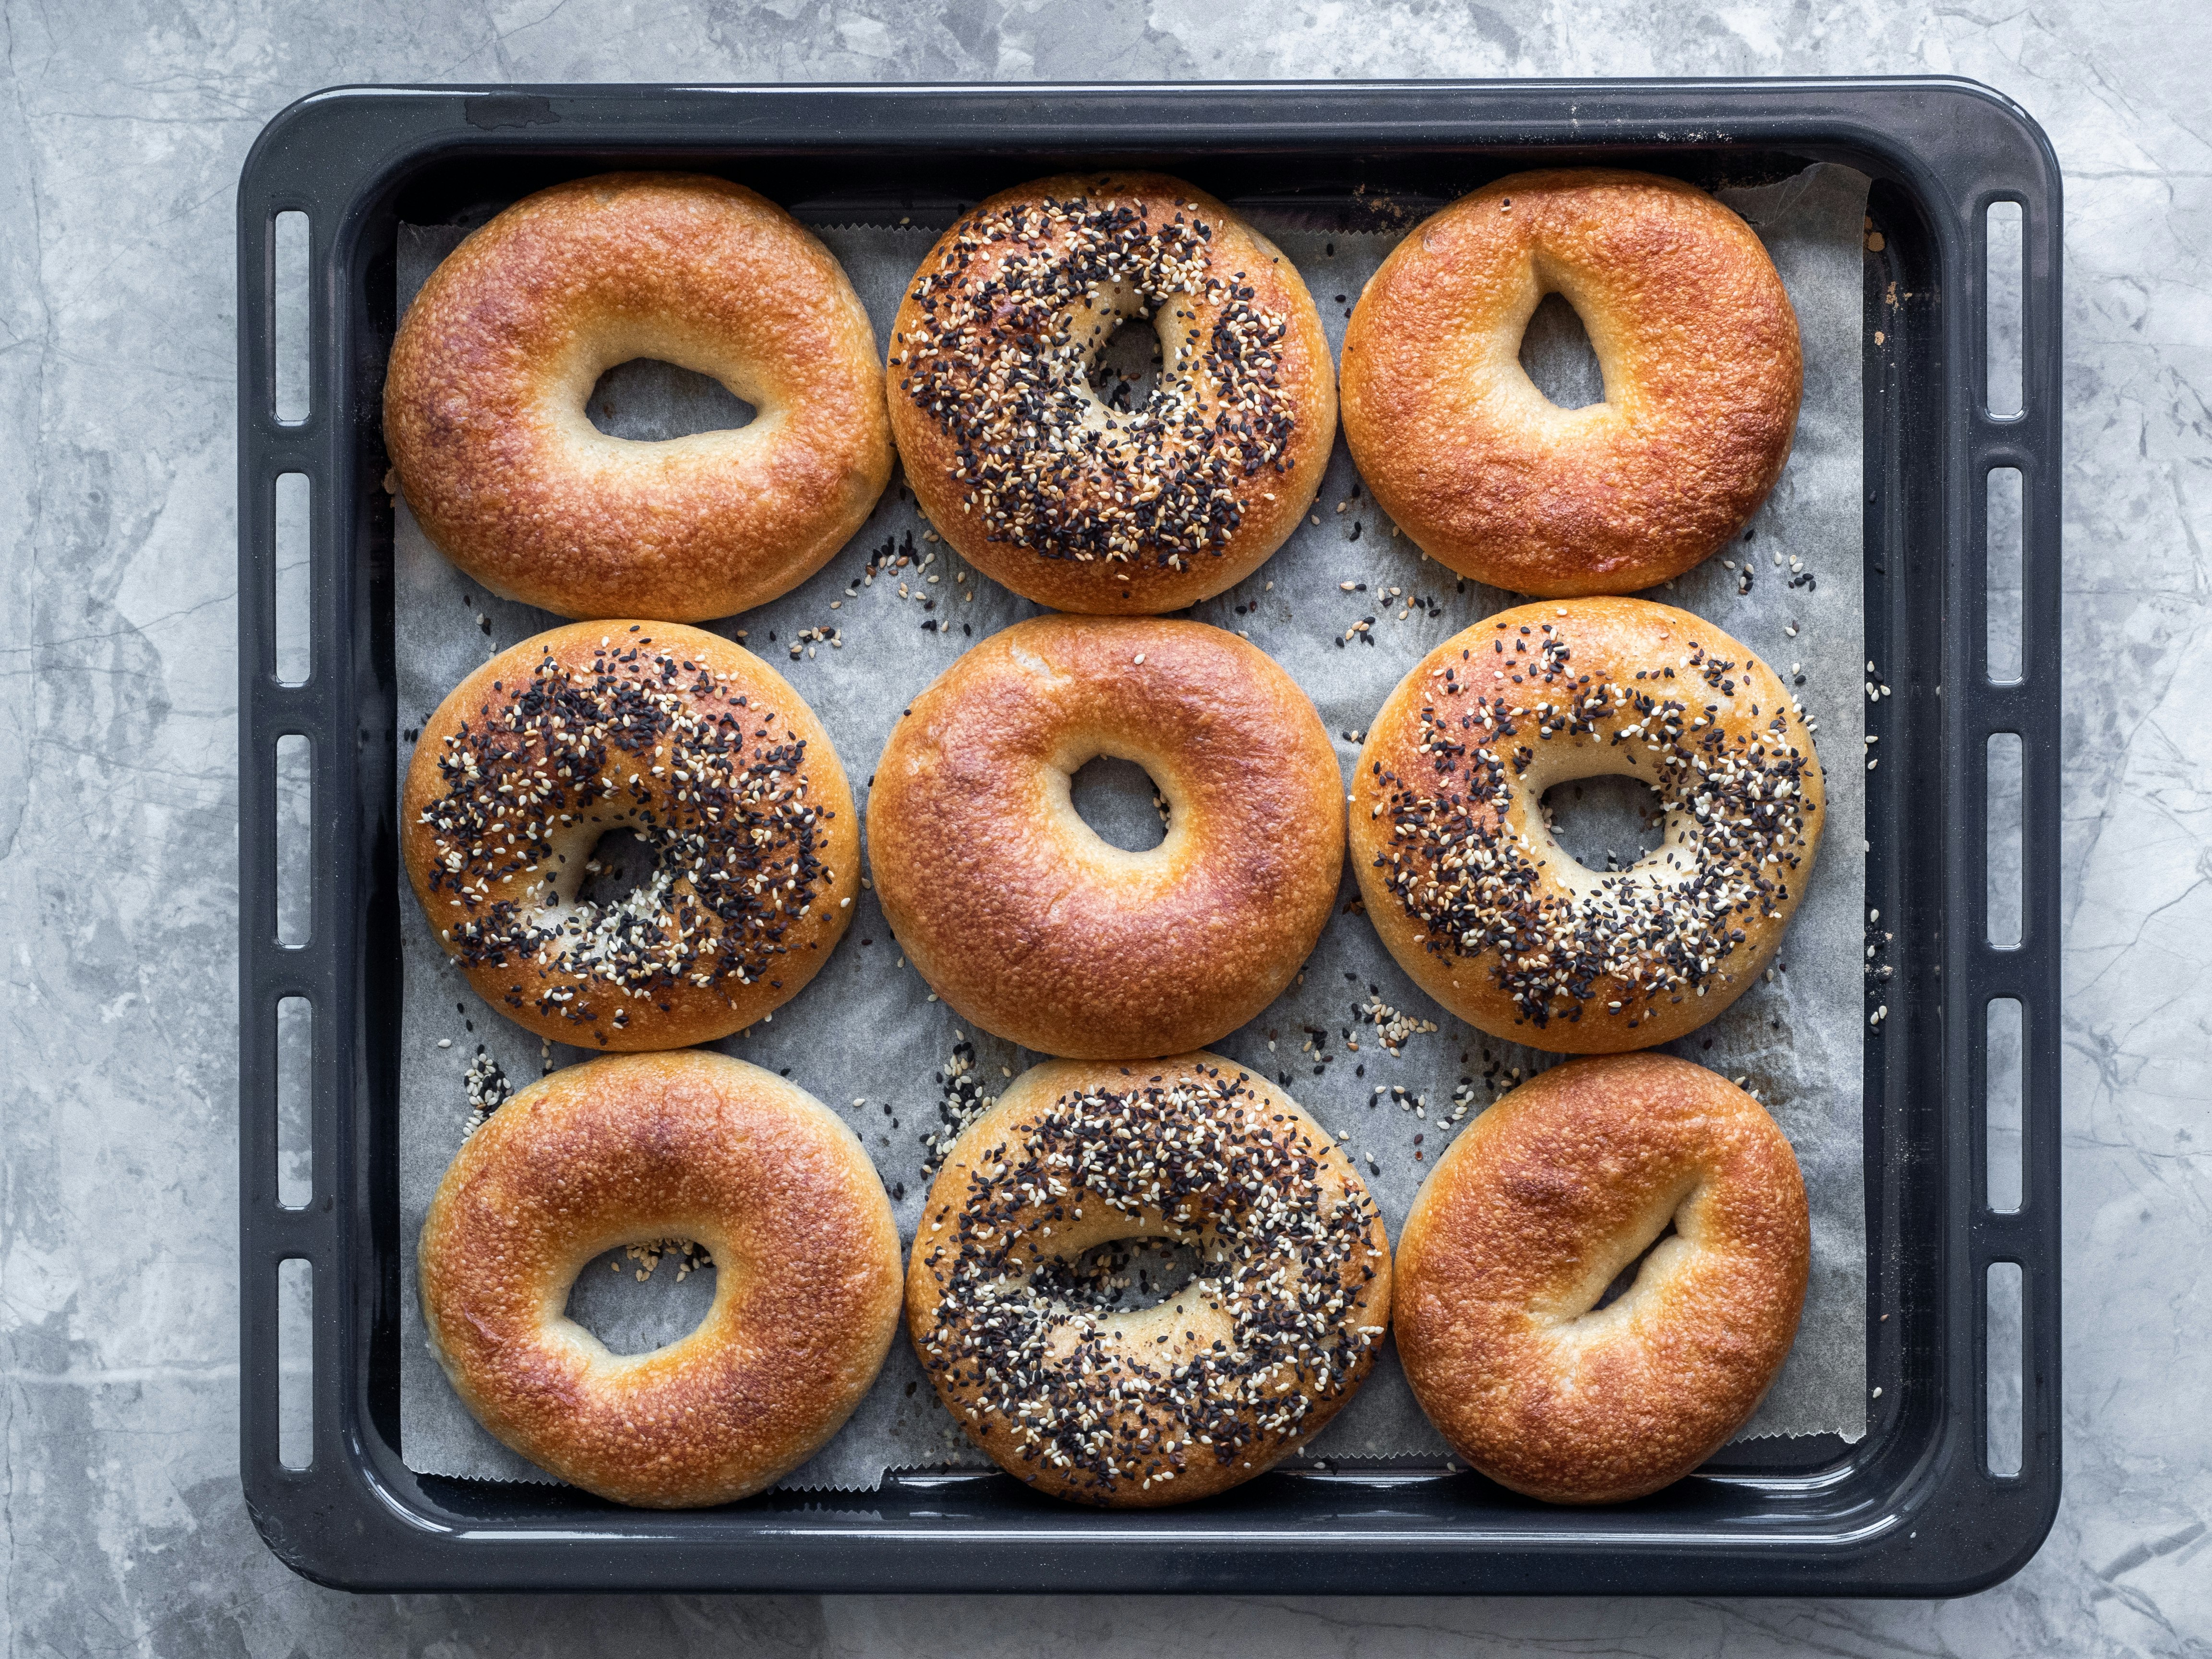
(866, 1038)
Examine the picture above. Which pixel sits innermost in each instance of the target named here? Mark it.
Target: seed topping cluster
(662, 745)
(1033, 1344)
(1003, 367)
(1656, 932)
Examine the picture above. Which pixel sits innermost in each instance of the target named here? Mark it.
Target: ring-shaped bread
(1463, 879)
(1023, 919)
(1703, 372)
(1248, 1360)
(636, 1148)
(484, 400)
(1528, 1217)
(1047, 490)
(690, 744)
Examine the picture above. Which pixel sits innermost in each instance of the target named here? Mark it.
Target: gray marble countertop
(121, 136)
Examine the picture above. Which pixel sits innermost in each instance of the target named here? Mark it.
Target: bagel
(483, 402)
(1042, 486)
(1543, 1203)
(631, 1149)
(1703, 373)
(691, 743)
(1024, 920)
(1460, 873)
(1245, 1363)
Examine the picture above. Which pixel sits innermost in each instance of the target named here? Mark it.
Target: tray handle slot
(2001, 522)
(2004, 246)
(2004, 1416)
(295, 1363)
(2003, 889)
(292, 650)
(296, 1132)
(290, 400)
(294, 807)
(2004, 1031)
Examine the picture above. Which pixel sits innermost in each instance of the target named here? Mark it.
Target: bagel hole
(648, 401)
(1120, 801)
(1557, 355)
(1624, 1280)
(1605, 823)
(1127, 369)
(642, 1296)
(619, 864)
(1120, 1276)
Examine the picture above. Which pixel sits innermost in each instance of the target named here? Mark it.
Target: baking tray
(1911, 1509)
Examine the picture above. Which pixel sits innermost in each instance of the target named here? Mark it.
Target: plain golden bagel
(1018, 1322)
(1024, 920)
(484, 416)
(1530, 1216)
(1461, 874)
(690, 744)
(1703, 373)
(632, 1150)
(1039, 485)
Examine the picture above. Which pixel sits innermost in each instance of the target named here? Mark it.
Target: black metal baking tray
(1912, 1509)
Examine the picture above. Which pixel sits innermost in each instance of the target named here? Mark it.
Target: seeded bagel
(1244, 1364)
(1460, 873)
(1042, 486)
(692, 744)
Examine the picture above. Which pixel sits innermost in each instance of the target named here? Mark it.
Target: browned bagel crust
(1094, 540)
(1479, 904)
(1028, 924)
(1703, 373)
(1238, 1370)
(633, 1149)
(749, 817)
(1527, 1219)
(484, 404)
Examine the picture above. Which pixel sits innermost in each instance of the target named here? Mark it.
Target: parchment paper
(866, 1038)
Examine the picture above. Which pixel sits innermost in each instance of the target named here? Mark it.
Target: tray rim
(321, 1521)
